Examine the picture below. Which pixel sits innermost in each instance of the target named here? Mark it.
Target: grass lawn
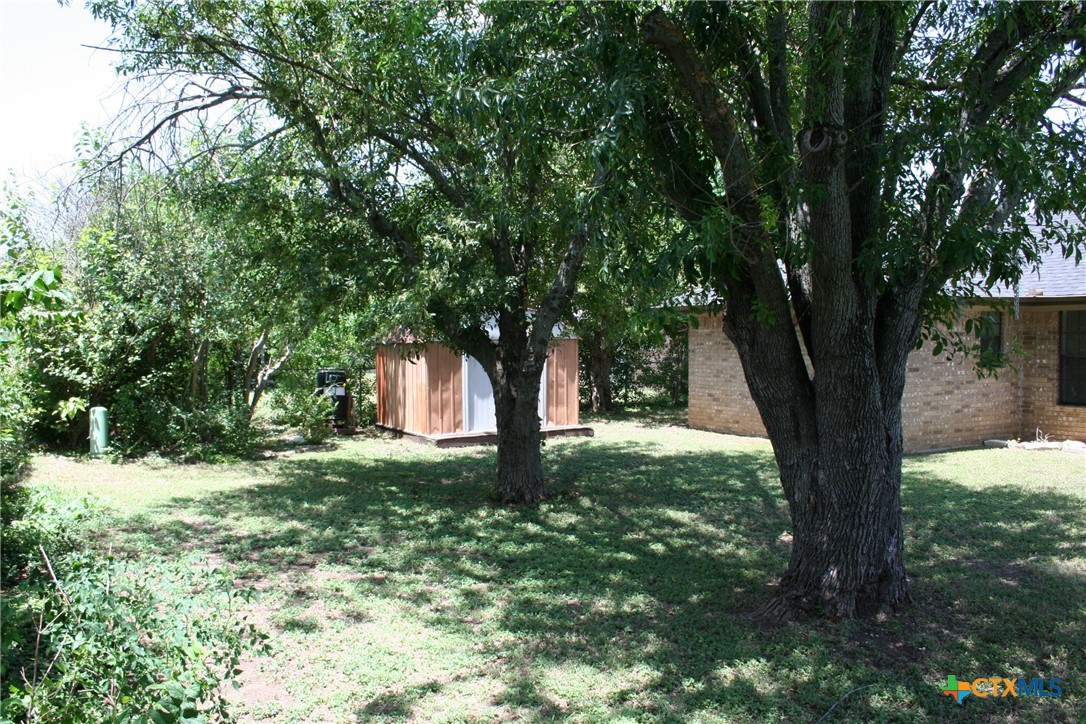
(392, 588)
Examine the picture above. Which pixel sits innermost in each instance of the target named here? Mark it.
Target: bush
(86, 637)
(213, 433)
(16, 412)
(142, 420)
(34, 521)
(640, 369)
(666, 368)
(307, 412)
(365, 392)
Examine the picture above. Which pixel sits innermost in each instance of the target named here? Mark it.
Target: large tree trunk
(847, 548)
(835, 429)
(856, 282)
(520, 463)
(514, 363)
(837, 440)
(601, 358)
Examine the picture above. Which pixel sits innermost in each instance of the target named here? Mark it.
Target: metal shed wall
(420, 388)
(563, 394)
(401, 374)
(444, 390)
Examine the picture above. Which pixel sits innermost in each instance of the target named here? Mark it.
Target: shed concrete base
(485, 437)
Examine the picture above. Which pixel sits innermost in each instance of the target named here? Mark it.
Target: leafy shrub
(37, 520)
(35, 524)
(307, 412)
(28, 296)
(365, 392)
(644, 366)
(666, 368)
(16, 412)
(87, 637)
(141, 419)
(138, 419)
(212, 433)
(344, 340)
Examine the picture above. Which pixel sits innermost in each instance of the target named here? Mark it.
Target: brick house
(945, 404)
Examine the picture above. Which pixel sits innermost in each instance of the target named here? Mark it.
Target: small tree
(30, 294)
(190, 292)
(624, 309)
(473, 142)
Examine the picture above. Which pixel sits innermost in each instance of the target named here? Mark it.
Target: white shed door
(479, 397)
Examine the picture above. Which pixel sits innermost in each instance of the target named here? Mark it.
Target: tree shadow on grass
(999, 579)
(641, 566)
(397, 704)
(651, 414)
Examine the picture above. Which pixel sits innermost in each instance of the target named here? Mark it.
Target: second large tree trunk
(601, 359)
(520, 463)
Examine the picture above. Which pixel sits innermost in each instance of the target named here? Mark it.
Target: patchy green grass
(393, 589)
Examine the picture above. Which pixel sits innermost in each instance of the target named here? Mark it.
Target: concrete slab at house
(945, 405)
(431, 394)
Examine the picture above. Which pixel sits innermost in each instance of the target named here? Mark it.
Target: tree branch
(777, 35)
(986, 86)
(1074, 99)
(759, 270)
(822, 148)
(924, 85)
(914, 24)
(234, 93)
(450, 190)
(684, 178)
(872, 54)
(716, 117)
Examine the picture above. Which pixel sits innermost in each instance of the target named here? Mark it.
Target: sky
(50, 84)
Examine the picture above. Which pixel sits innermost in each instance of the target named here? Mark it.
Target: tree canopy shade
(472, 140)
(185, 302)
(848, 169)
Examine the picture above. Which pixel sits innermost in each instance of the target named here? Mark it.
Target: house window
(991, 334)
(1073, 358)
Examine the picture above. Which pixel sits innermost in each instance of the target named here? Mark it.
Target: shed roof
(404, 335)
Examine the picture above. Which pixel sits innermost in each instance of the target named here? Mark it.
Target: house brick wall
(719, 398)
(945, 404)
(1040, 333)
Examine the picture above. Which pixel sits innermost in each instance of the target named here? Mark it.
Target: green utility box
(99, 430)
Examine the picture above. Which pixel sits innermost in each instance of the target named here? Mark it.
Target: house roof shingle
(1056, 276)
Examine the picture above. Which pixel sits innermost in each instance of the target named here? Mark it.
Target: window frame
(993, 343)
(1064, 359)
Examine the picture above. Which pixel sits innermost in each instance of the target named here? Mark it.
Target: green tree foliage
(347, 341)
(192, 291)
(472, 140)
(849, 171)
(85, 637)
(630, 322)
(31, 294)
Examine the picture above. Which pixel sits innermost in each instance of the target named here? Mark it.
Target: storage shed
(430, 393)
